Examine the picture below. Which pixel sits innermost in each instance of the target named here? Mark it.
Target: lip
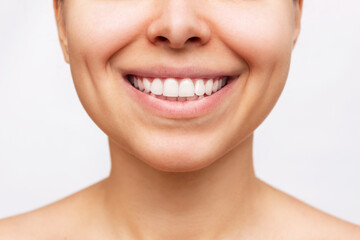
(171, 72)
(174, 109)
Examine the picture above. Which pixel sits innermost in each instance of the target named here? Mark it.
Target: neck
(151, 204)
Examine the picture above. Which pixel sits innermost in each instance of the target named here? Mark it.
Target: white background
(308, 147)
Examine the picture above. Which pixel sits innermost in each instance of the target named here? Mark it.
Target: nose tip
(178, 27)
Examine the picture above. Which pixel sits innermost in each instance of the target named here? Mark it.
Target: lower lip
(179, 110)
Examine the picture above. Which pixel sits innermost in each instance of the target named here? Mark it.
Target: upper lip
(171, 72)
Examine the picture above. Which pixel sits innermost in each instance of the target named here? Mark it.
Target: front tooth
(157, 87)
(147, 85)
(208, 87)
(215, 86)
(171, 88)
(186, 88)
(199, 87)
(181, 99)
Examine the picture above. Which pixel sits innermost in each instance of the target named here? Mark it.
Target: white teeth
(186, 88)
(171, 88)
(157, 87)
(215, 86)
(147, 85)
(200, 87)
(136, 82)
(208, 87)
(141, 85)
(219, 86)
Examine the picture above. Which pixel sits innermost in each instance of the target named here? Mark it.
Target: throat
(153, 204)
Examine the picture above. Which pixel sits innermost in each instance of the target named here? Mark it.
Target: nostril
(194, 40)
(162, 39)
(191, 41)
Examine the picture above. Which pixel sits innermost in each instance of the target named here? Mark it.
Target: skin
(178, 178)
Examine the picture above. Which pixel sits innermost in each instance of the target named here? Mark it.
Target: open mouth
(178, 89)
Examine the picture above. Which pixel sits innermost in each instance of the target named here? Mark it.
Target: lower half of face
(178, 84)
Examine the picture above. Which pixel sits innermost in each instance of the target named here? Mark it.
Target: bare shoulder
(58, 220)
(306, 222)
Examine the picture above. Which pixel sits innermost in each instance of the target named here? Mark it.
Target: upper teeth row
(170, 87)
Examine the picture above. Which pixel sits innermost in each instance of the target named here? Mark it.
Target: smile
(179, 93)
(178, 89)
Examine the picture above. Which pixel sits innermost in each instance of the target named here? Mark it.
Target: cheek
(98, 29)
(259, 33)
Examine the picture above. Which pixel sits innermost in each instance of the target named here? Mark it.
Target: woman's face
(177, 43)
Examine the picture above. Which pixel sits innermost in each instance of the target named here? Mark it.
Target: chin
(178, 159)
(178, 165)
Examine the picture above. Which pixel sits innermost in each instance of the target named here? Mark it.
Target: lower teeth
(178, 99)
